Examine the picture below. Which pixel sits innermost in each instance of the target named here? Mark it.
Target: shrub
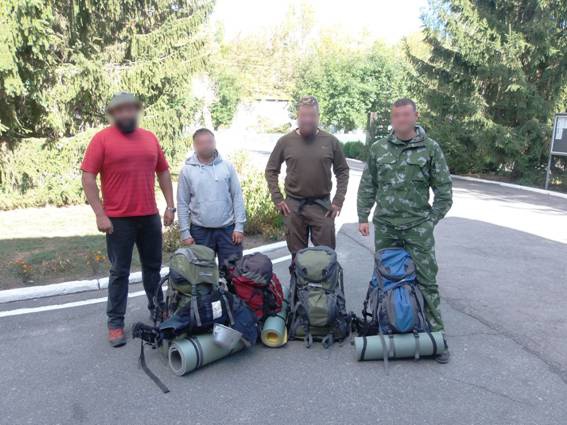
(37, 172)
(261, 213)
(171, 239)
(355, 150)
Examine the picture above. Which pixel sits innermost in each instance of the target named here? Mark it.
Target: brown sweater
(308, 167)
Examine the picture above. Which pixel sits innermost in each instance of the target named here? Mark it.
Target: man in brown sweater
(310, 154)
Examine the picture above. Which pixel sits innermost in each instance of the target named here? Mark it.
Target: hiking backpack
(394, 303)
(194, 301)
(317, 298)
(252, 279)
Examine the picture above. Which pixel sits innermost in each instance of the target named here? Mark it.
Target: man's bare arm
(164, 180)
(90, 187)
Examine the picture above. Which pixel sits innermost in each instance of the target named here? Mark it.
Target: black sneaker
(443, 358)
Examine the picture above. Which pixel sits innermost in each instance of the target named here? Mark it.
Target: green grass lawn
(59, 259)
(54, 259)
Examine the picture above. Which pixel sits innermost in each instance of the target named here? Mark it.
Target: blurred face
(126, 117)
(404, 119)
(204, 146)
(307, 120)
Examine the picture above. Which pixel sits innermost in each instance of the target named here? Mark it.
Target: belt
(323, 201)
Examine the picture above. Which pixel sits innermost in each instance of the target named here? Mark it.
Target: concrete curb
(77, 286)
(512, 186)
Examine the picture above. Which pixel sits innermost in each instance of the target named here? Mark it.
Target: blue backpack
(394, 304)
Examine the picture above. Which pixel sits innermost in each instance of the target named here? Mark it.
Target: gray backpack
(317, 297)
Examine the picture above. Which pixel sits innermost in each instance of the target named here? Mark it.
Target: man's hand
(237, 237)
(168, 217)
(334, 211)
(284, 209)
(364, 229)
(188, 241)
(104, 224)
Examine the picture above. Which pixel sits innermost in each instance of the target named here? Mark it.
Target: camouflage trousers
(420, 244)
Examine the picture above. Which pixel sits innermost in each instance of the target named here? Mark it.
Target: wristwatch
(172, 209)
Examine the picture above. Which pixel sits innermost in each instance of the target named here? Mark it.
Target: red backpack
(252, 279)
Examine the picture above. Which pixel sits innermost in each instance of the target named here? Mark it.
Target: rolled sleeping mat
(399, 346)
(189, 354)
(274, 331)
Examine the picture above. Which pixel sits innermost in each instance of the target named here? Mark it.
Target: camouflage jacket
(397, 177)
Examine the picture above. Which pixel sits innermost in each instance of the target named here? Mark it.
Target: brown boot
(116, 337)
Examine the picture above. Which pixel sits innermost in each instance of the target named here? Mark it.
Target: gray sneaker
(443, 358)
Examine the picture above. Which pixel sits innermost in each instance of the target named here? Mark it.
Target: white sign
(559, 140)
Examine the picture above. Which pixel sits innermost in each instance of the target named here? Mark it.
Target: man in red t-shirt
(127, 158)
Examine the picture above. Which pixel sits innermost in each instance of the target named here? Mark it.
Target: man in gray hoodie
(210, 206)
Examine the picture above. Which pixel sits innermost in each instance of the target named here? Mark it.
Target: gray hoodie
(209, 195)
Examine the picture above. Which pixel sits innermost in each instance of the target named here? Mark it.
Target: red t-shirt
(127, 164)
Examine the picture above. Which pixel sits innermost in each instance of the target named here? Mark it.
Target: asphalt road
(503, 279)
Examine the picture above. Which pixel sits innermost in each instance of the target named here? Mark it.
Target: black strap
(323, 201)
(144, 366)
(197, 353)
(159, 307)
(434, 344)
(199, 349)
(363, 351)
(308, 340)
(416, 353)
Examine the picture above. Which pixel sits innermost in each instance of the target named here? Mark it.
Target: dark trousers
(219, 240)
(145, 233)
(308, 221)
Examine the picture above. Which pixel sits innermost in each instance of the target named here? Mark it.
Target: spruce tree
(60, 60)
(495, 76)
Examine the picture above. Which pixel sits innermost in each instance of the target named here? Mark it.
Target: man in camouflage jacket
(400, 170)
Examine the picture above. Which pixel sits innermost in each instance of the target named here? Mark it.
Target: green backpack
(318, 309)
(192, 272)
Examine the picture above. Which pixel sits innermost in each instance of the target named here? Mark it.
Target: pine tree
(496, 73)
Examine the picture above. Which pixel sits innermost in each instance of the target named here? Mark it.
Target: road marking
(30, 310)
(41, 309)
(281, 259)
